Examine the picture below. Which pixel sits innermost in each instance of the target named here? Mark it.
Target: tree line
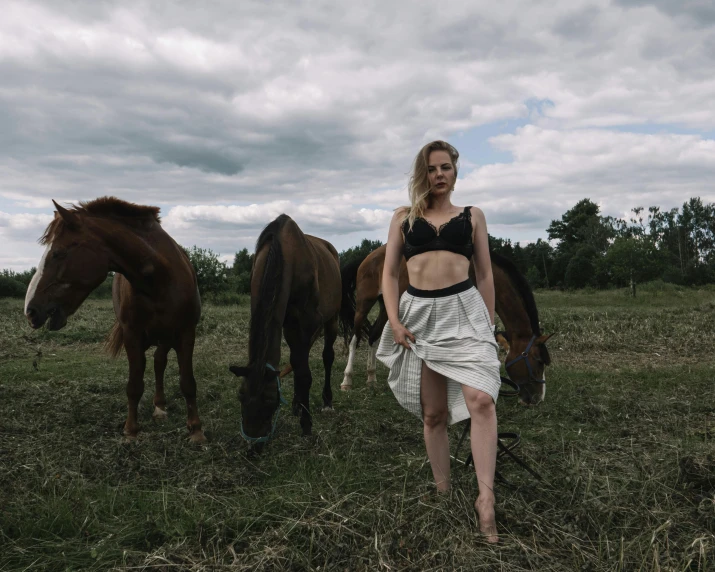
(676, 246)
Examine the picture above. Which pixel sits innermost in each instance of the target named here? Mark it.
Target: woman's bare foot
(487, 521)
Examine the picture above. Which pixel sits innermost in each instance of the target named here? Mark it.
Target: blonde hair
(419, 187)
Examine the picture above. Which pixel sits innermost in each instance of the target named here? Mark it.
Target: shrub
(211, 273)
(11, 287)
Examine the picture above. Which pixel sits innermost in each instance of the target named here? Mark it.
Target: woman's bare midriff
(437, 269)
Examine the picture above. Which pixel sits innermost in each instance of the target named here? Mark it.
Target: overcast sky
(226, 114)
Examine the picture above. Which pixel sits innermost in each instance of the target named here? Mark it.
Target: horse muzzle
(531, 394)
(38, 316)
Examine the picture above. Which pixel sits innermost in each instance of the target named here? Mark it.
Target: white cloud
(226, 111)
(21, 225)
(552, 170)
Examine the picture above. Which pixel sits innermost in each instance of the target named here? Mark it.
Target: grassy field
(625, 442)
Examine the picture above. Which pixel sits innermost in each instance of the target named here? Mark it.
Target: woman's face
(440, 172)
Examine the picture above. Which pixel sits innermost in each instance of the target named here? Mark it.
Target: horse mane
(522, 287)
(271, 281)
(107, 207)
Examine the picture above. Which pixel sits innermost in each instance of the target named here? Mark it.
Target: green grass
(624, 441)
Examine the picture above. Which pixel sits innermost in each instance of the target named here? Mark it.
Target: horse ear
(541, 343)
(239, 370)
(70, 218)
(502, 341)
(543, 339)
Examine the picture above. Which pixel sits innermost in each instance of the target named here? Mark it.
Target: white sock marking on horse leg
(159, 413)
(32, 288)
(348, 376)
(372, 363)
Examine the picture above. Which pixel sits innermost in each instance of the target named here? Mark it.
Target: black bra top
(455, 236)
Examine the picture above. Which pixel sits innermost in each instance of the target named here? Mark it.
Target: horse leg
(371, 364)
(373, 342)
(347, 383)
(363, 309)
(298, 336)
(160, 359)
(330, 334)
(303, 379)
(135, 385)
(187, 383)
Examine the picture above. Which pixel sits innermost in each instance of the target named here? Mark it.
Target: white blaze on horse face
(32, 288)
(543, 391)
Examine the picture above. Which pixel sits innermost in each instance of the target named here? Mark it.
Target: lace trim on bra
(437, 242)
(464, 213)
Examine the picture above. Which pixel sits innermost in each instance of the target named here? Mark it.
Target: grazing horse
(526, 353)
(155, 295)
(295, 289)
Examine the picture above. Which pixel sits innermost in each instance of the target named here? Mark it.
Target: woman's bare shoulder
(477, 213)
(400, 213)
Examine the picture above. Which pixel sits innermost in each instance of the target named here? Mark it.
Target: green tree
(242, 262)
(501, 246)
(632, 260)
(241, 272)
(359, 252)
(581, 268)
(579, 227)
(533, 277)
(540, 256)
(211, 273)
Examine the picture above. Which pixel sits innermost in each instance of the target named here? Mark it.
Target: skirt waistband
(442, 292)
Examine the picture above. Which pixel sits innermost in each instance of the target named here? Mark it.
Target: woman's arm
(391, 276)
(482, 261)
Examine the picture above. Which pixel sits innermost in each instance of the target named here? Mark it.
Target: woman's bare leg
(483, 438)
(433, 394)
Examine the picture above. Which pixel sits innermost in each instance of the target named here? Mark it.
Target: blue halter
(282, 401)
(525, 356)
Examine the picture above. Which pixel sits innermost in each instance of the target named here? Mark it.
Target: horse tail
(115, 340)
(348, 303)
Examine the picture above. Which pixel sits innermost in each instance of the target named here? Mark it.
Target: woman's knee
(435, 419)
(479, 402)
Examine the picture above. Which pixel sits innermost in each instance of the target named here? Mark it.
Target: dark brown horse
(515, 306)
(295, 290)
(155, 296)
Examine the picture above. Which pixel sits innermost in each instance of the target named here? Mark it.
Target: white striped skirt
(453, 337)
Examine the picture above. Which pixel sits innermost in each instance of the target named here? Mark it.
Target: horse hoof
(327, 409)
(159, 414)
(130, 435)
(346, 386)
(371, 380)
(197, 437)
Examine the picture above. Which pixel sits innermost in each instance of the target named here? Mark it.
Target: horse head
(260, 398)
(526, 359)
(73, 264)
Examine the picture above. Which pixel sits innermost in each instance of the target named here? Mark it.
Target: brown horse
(295, 289)
(155, 296)
(515, 306)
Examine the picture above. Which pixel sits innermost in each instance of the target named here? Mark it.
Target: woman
(439, 342)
